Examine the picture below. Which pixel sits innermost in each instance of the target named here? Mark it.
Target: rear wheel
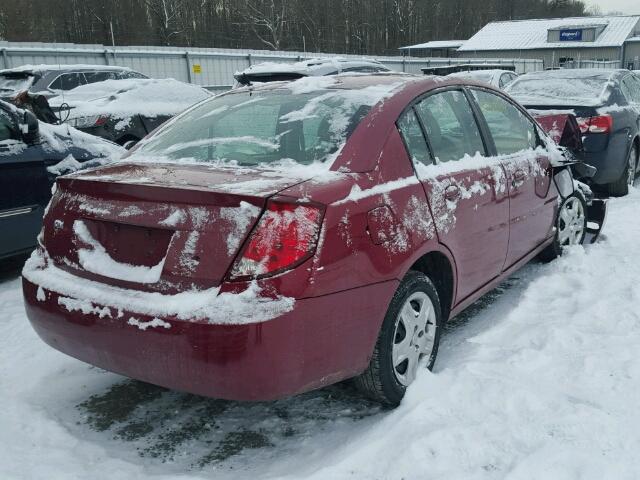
(571, 226)
(408, 340)
(620, 187)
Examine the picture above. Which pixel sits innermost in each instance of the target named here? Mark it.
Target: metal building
(610, 41)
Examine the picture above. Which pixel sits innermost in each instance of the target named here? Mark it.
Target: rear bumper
(320, 341)
(610, 161)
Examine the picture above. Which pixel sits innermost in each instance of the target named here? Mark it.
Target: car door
(24, 186)
(514, 140)
(465, 190)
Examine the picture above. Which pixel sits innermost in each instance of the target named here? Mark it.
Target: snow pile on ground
(125, 98)
(541, 383)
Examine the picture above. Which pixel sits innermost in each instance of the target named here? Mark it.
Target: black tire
(554, 250)
(620, 187)
(379, 381)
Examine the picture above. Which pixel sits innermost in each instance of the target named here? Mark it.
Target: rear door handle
(452, 192)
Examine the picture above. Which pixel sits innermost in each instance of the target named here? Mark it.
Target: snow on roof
(435, 44)
(48, 68)
(532, 34)
(150, 97)
(313, 66)
(633, 39)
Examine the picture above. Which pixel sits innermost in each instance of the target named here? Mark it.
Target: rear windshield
(15, 83)
(561, 89)
(479, 76)
(260, 128)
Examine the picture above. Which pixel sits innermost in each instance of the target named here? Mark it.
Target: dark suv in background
(52, 80)
(607, 106)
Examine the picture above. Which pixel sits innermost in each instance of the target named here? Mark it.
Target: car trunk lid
(155, 227)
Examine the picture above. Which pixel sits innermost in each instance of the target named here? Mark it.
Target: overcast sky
(624, 6)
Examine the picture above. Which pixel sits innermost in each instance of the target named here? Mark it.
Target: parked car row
(295, 232)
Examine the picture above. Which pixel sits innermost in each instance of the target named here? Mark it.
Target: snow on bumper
(209, 305)
(311, 343)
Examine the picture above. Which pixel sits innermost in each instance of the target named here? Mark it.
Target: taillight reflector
(286, 234)
(599, 124)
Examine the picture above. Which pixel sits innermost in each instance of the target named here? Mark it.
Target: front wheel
(571, 226)
(408, 340)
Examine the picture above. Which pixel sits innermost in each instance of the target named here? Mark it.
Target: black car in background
(32, 154)
(52, 80)
(607, 106)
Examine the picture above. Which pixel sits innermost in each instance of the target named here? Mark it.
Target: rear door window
(451, 128)
(411, 133)
(511, 130)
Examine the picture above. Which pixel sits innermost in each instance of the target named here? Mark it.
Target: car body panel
(378, 220)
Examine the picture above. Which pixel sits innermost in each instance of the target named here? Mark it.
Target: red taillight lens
(101, 120)
(286, 234)
(599, 124)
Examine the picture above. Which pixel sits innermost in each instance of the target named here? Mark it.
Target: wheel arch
(440, 268)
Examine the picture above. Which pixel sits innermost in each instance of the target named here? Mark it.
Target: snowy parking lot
(540, 379)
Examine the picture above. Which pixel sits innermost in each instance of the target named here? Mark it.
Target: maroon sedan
(278, 239)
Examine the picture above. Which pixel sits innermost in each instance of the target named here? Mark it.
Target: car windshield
(252, 128)
(560, 89)
(11, 83)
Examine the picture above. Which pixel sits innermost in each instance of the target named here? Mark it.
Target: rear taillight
(285, 236)
(599, 124)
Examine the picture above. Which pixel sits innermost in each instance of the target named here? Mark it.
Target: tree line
(336, 26)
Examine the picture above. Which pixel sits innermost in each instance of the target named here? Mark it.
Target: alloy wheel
(414, 336)
(571, 222)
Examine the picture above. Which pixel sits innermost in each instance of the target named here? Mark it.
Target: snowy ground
(540, 380)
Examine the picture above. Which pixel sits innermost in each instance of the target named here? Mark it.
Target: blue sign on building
(573, 35)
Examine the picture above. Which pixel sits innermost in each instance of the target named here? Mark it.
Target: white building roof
(532, 34)
(435, 44)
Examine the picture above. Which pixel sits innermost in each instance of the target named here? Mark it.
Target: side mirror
(29, 127)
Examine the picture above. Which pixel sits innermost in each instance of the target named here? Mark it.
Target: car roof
(43, 68)
(568, 73)
(347, 81)
(314, 66)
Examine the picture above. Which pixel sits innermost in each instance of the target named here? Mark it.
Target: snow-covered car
(273, 240)
(52, 80)
(495, 78)
(315, 67)
(607, 106)
(124, 111)
(32, 155)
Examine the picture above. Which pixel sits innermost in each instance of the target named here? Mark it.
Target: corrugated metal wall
(203, 66)
(551, 57)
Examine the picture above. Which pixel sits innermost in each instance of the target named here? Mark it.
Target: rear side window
(511, 130)
(67, 81)
(93, 77)
(413, 137)
(451, 128)
(128, 74)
